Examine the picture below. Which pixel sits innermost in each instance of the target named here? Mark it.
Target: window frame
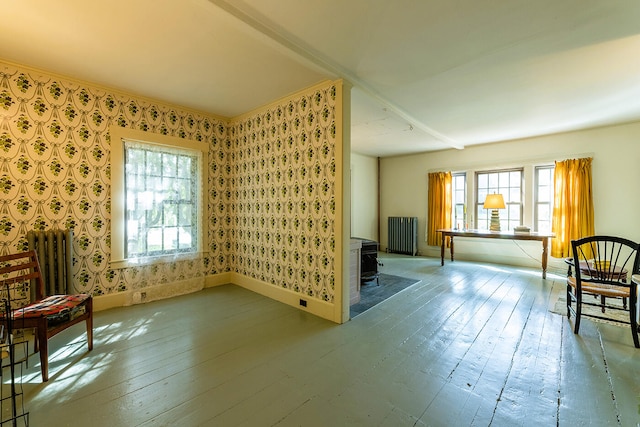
(536, 198)
(118, 193)
(456, 223)
(507, 199)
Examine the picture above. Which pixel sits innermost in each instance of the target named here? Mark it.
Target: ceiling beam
(326, 65)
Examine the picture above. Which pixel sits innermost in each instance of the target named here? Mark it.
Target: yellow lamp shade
(494, 201)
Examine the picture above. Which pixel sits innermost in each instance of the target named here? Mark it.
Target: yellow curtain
(573, 216)
(439, 206)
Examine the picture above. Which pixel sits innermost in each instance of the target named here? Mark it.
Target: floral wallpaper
(271, 181)
(284, 194)
(55, 172)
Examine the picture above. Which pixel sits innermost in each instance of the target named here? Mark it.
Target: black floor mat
(374, 292)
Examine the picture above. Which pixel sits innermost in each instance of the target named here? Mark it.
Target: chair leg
(634, 322)
(36, 347)
(90, 331)
(89, 308)
(569, 300)
(578, 312)
(43, 349)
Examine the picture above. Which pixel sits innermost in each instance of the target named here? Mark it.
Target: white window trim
(523, 192)
(536, 202)
(465, 219)
(118, 215)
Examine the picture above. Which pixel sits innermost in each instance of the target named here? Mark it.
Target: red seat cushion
(51, 305)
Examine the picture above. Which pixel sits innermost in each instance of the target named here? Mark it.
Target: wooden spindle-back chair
(47, 315)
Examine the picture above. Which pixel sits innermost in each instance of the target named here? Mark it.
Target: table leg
(442, 249)
(451, 247)
(545, 247)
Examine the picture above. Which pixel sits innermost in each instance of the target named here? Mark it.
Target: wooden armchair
(603, 268)
(47, 315)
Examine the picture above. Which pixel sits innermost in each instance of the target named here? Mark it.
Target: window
(459, 194)
(162, 199)
(543, 198)
(509, 184)
(156, 195)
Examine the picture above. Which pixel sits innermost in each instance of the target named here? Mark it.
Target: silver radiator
(55, 256)
(403, 235)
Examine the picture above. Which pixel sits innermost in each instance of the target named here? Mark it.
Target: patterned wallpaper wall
(271, 182)
(284, 194)
(55, 172)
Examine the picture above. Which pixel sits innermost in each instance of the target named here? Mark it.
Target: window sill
(162, 259)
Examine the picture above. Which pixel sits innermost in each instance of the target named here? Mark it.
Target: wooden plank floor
(471, 344)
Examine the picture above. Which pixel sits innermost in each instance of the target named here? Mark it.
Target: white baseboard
(217, 280)
(105, 302)
(313, 305)
(121, 299)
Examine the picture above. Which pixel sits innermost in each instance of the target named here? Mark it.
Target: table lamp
(494, 202)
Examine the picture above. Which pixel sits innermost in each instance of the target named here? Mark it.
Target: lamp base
(495, 221)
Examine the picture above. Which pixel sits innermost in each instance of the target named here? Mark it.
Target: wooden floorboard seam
(609, 380)
(512, 360)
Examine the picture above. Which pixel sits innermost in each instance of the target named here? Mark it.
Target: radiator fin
(403, 235)
(55, 254)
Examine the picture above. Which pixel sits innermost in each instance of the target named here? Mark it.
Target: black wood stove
(368, 260)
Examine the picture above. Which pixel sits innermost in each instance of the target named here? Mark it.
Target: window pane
(544, 177)
(483, 218)
(482, 195)
(504, 178)
(135, 159)
(153, 183)
(154, 216)
(183, 189)
(170, 238)
(543, 198)
(169, 165)
(514, 195)
(459, 212)
(544, 194)
(458, 197)
(161, 203)
(458, 194)
(505, 182)
(483, 180)
(154, 164)
(544, 211)
(185, 239)
(170, 215)
(154, 240)
(493, 181)
(184, 166)
(185, 216)
(169, 187)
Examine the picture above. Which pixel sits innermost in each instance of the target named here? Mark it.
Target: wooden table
(486, 234)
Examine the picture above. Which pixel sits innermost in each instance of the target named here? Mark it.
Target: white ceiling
(427, 75)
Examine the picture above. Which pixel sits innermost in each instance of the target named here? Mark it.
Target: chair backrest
(18, 273)
(606, 260)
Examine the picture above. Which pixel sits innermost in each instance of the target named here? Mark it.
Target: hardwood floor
(470, 344)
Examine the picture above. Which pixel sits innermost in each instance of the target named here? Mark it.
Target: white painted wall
(616, 174)
(364, 196)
